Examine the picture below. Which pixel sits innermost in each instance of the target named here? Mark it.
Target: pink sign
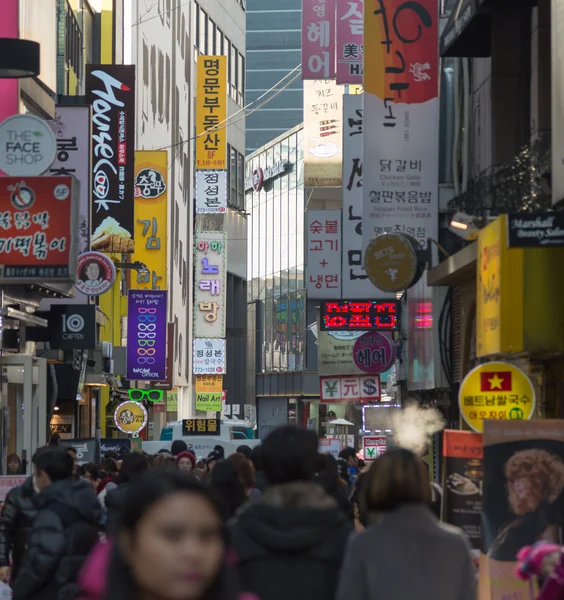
(374, 352)
(9, 28)
(8, 482)
(350, 41)
(318, 39)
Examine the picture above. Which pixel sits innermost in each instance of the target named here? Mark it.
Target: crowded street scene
(281, 317)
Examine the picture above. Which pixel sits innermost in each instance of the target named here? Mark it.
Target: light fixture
(464, 226)
(56, 408)
(18, 58)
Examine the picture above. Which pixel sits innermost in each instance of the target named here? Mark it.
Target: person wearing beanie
(177, 447)
(220, 451)
(186, 462)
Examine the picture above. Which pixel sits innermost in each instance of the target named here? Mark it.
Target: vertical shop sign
(211, 192)
(323, 139)
(463, 474)
(210, 283)
(110, 89)
(318, 39)
(401, 109)
(151, 219)
(324, 253)
(208, 357)
(350, 41)
(9, 88)
(146, 335)
(72, 129)
(211, 113)
(355, 280)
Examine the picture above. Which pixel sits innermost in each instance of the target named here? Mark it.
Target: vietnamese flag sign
(497, 381)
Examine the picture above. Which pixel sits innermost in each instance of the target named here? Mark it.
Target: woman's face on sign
(93, 271)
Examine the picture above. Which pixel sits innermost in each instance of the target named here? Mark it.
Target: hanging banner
(146, 335)
(110, 89)
(355, 280)
(324, 253)
(151, 220)
(523, 494)
(210, 283)
(462, 478)
(323, 139)
(318, 39)
(350, 41)
(211, 113)
(401, 111)
(72, 129)
(211, 192)
(208, 357)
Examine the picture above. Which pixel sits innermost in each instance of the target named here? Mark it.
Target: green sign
(371, 452)
(209, 401)
(172, 401)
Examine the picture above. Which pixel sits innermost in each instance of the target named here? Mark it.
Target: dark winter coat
(291, 544)
(64, 532)
(115, 503)
(16, 519)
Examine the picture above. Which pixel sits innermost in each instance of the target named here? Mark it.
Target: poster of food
(462, 482)
(523, 499)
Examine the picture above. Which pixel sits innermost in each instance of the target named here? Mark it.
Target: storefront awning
(468, 30)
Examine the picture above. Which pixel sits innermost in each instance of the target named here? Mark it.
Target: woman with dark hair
(171, 545)
(227, 486)
(132, 467)
(424, 558)
(328, 477)
(14, 463)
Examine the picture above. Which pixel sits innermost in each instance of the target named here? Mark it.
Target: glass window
(240, 181)
(221, 42)
(197, 25)
(203, 27)
(234, 66)
(228, 54)
(211, 35)
(241, 82)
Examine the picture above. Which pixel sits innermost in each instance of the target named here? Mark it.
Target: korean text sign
(200, 427)
(210, 281)
(208, 357)
(211, 191)
(401, 107)
(350, 41)
(38, 223)
(146, 335)
(71, 127)
(346, 315)
(110, 89)
(324, 253)
(151, 219)
(350, 388)
(323, 139)
(211, 113)
(318, 39)
(355, 279)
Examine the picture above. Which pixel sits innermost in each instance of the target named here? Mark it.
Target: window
(211, 37)
(203, 27)
(235, 179)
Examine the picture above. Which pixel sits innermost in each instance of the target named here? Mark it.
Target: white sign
(356, 284)
(350, 389)
(211, 191)
(324, 254)
(27, 146)
(330, 446)
(96, 273)
(236, 409)
(208, 357)
(373, 446)
(256, 179)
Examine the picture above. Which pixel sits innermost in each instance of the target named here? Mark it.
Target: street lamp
(18, 58)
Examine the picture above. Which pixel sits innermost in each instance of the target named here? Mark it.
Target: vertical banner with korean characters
(324, 254)
(355, 280)
(323, 138)
(71, 127)
(210, 282)
(211, 192)
(151, 219)
(318, 39)
(110, 89)
(401, 112)
(146, 335)
(350, 41)
(211, 113)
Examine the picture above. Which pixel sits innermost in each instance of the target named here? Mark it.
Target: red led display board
(360, 315)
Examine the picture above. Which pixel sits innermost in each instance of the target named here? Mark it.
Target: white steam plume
(413, 426)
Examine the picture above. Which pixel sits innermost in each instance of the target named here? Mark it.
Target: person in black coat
(17, 516)
(63, 533)
(291, 543)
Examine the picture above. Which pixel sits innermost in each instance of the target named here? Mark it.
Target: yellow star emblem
(495, 382)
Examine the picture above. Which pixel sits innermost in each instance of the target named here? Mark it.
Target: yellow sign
(211, 113)
(151, 219)
(497, 391)
(209, 383)
(500, 298)
(130, 417)
(208, 401)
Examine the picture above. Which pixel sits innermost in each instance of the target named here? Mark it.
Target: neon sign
(360, 315)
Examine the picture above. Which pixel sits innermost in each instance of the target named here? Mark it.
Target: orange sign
(38, 225)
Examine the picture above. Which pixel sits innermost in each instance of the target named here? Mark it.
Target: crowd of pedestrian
(278, 522)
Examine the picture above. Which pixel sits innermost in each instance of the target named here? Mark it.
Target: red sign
(38, 225)
(374, 446)
(360, 315)
(498, 381)
(374, 352)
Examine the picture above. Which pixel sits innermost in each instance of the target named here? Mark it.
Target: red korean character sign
(350, 41)
(324, 254)
(318, 39)
(38, 227)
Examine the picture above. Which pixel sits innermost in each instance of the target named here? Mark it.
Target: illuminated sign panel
(366, 315)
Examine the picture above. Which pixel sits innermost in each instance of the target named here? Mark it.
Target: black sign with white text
(72, 326)
(110, 89)
(360, 315)
(535, 230)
